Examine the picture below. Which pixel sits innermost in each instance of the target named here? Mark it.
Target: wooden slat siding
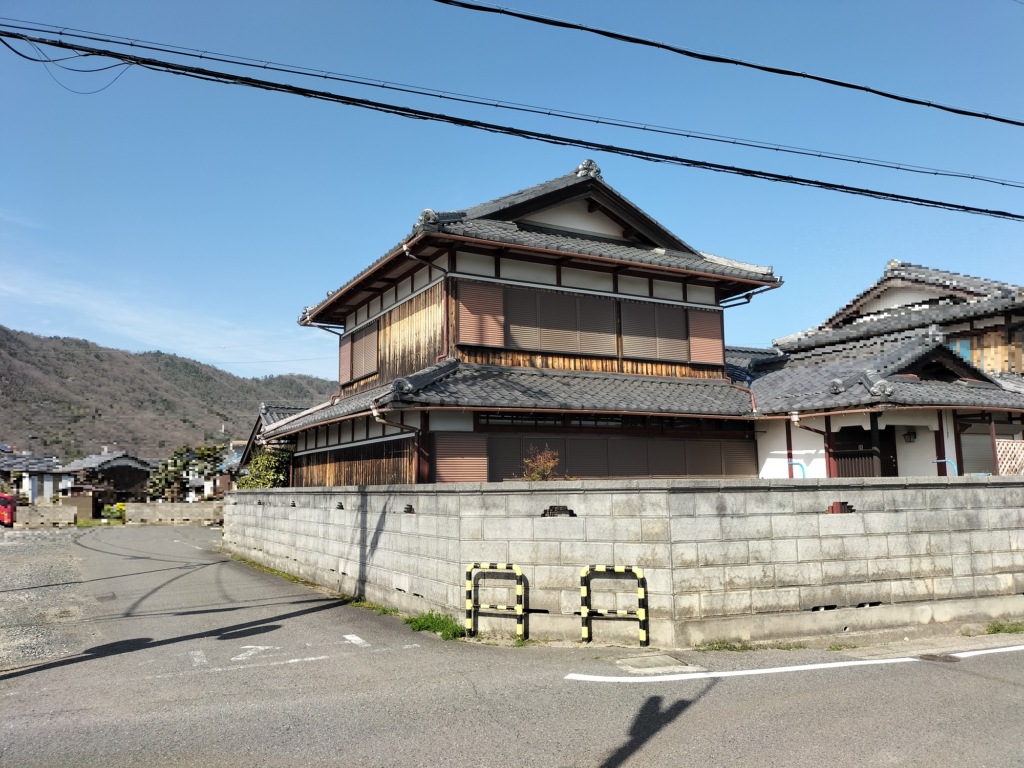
(345, 360)
(586, 458)
(739, 458)
(524, 359)
(460, 457)
(481, 314)
(668, 458)
(364, 351)
(521, 330)
(706, 343)
(504, 458)
(597, 327)
(627, 457)
(639, 330)
(704, 458)
(387, 463)
(558, 323)
(673, 341)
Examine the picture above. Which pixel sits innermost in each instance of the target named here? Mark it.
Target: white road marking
(240, 666)
(407, 647)
(252, 651)
(179, 541)
(773, 670)
(356, 640)
(966, 654)
(198, 657)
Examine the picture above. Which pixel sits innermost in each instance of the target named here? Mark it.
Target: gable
(892, 296)
(576, 216)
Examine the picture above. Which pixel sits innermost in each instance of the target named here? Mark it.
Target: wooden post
(940, 446)
(995, 452)
(831, 467)
(789, 448)
(958, 446)
(876, 447)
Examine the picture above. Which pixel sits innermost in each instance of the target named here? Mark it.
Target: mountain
(69, 397)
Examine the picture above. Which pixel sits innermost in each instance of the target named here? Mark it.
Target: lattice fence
(1011, 457)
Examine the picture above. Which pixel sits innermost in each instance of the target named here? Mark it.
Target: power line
(500, 104)
(418, 114)
(716, 59)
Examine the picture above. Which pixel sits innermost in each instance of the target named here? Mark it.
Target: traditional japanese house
(919, 375)
(562, 318)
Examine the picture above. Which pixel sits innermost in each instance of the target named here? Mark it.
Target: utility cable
(506, 105)
(716, 59)
(419, 114)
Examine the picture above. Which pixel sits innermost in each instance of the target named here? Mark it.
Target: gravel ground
(40, 599)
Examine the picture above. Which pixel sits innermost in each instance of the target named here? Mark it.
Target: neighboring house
(561, 316)
(920, 370)
(5, 448)
(41, 477)
(269, 415)
(120, 476)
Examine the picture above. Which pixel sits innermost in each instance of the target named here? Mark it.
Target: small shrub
(1005, 627)
(441, 623)
(540, 465)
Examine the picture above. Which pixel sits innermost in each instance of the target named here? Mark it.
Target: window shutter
(364, 351)
(706, 344)
(639, 330)
(673, 342)
(739, 458)
(481, 314)
(628, 457)
(558, 323)
(597, 328)
(977, 454)
(345, 360)
(703, 458)
(521, 320)
(587, 458)
(668, 458)
(461, 457)
(504, 458)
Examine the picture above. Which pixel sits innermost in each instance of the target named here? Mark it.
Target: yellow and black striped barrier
(588, 614)
(518, 607)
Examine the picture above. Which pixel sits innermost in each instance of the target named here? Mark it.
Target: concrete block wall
(44, 516)
(742, 558)
(199, 513)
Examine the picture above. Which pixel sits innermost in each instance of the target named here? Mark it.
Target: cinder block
(747, 527)
(968, 520)
(872, 592)
(692, 580)
(722, 553)
(718, 504)
(725, 603)
(684, 555)
(687, 606)
(885, 522)
(813, 597)
(903, 545)
(749, 576)
(996, 584)
(990, 541)
(587, 504)
(696, 529)
(795, 526)
(579, 553)
(798, 574)
(865, 547)
(946, 498)
(774, 600)
(519, 528)
(654, 529)
(811, 500)
(644, 555)
(658, 580)
(627, 504)
(615, 528)
(926, 520)
(652, 505)
(930, 566)
(844, 571)
(912, 590)
(557, 577)
(962, 565)
(658, 606)
(774, 551)
(534, 552)
(561, 528)
(1011, 518)
(868, 501)
(906, 498)
(889, 569)
(524, 504)
(471, 528)
(772, 502)
(681, 504)
(841, 525)
(946, 588)
(484, 552)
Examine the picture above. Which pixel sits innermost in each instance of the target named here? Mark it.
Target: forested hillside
(68, 397)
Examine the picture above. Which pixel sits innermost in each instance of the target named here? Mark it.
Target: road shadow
(648, 722)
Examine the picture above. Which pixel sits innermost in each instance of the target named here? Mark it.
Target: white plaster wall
(899, 297)
(926, 419)
(451, 421)
(585, 278)
(633, 286)
(699, 294)
(574, 215)
(771, 450)
(529, 272)
(809, 448)
(474, 264)
(916, 459)
(665, 289)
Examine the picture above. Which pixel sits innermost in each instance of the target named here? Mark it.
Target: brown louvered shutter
(460, 457)
(540, 444)
(481, 314)
(628, 457)
(587, 458)
(597, 328)
(345, 360)
(558, 323)
(703, 458)
(668, 458)
(706, 344)
(521, 320)
(739, 458)
(364, 351)
(639, 331)
(673, 341)
(504, 458)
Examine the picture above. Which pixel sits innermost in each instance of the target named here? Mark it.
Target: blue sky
(197, 218)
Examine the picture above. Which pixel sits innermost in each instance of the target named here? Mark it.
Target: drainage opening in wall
(417, 594)
(868, 605)
(824, 608)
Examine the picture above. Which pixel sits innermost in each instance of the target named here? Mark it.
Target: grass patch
(519, 642)
(1005, 627)
(721, 644)
(382, 610)
(441, 623)
(275, 572)
(840, 647)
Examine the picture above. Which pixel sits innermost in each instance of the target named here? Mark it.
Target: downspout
(753, 404)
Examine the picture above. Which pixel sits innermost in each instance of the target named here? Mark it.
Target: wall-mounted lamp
(794, 416)
(910, 436)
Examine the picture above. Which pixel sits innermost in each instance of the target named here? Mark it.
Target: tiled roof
(99, 459)
(271, 413)
(20, 462)
(346, 407)
(953, 280)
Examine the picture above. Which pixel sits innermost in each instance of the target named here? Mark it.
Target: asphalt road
(163, 652)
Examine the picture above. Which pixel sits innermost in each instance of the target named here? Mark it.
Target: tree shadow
(648, 722)
(367, 548)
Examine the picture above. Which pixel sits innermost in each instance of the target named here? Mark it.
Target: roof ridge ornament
(588, 168)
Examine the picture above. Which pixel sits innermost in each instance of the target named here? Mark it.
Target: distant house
(40, 478)
(269, 415)
(121, 476)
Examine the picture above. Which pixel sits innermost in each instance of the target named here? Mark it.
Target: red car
(7, 506)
